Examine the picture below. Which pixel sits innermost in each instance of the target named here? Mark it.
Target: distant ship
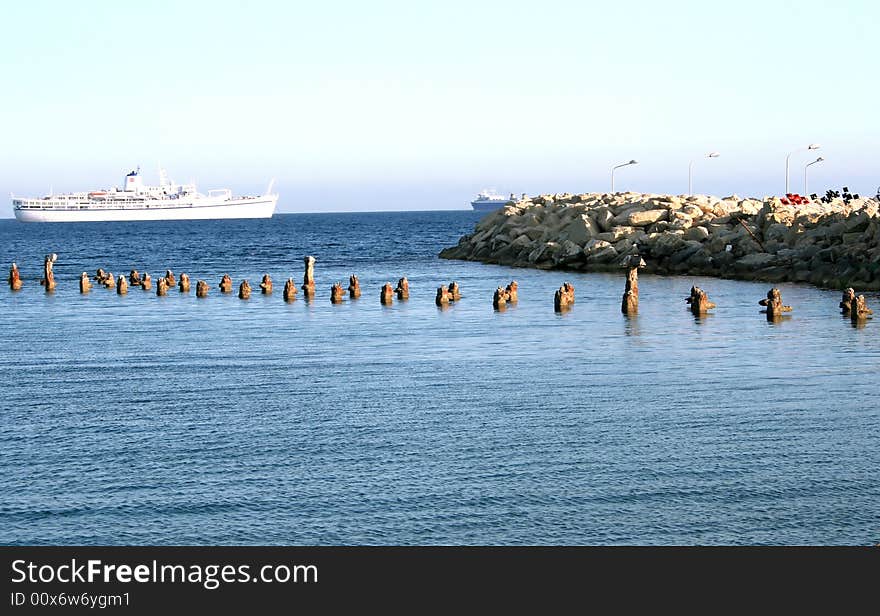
(136, 201)
(488, 200)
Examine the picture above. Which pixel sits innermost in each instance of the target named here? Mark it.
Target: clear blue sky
(392, 105)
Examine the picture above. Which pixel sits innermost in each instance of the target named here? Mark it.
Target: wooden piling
(226, 284)
(289, 290)
(14, 278)
(244, 290)
(699, 301)
(354, 287)
(202, 289)
(337, 293)
(402, 289)
(386, 294)
(184, 283)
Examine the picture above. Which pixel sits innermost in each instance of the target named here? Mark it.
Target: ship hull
(488, 206)
(260, 207)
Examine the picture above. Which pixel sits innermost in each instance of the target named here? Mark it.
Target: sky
(418, 105)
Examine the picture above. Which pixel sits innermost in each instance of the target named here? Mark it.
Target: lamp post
(807, 166)
(632, 162)
(691, 171)
(812, 146)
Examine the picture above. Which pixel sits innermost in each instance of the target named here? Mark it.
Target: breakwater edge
(832, 245)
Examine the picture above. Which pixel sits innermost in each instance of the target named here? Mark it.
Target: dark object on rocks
(354, 287)
(774, 304)
(849, 294)
(85, 285)
(14, 278)
(162, 286)
(308, 285)
(564, 297)
(146, 282)
(48, 280)
(630, 302)
(337, 293)
(402, 289)
(183, 285)
(121, 285)
(289, 290)
(858, 310)
(266, 285)
(226, 284)
(385, 294)
(244, 290)
(202, 289)
(699, 301)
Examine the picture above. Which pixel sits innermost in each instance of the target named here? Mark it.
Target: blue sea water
(140, 419)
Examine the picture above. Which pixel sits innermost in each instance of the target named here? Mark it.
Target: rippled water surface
(174, 420)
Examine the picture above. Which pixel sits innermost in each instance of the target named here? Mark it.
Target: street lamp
(632, 162)
(807, 166)
(691, 171)
(812, 146)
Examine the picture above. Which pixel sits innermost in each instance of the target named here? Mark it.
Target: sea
(174, 420)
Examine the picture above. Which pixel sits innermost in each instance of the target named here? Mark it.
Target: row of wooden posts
(851, 304)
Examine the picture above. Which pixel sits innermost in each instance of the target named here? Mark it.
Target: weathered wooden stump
(386, 294)
(169, 278)
(337, 293)
(134, 278)
(146, 282)
(14, 278)
(266, 285)
(454, 291)
(202, 289)
(48, 280)
(121, 285)
(849, 294)
(500, 298)
(104, 279)
(630, 302)
(226, 284)
(244, 290)
(402, 289)
(354, 287)
(773, 302)
(699, 301)
(85, 285)
(162, 286)
(563, 299)
(184, 283)
(443, 297)
(858, 310)
(289, 290)
(308, 285)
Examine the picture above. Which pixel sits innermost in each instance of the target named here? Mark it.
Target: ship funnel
(133, 182)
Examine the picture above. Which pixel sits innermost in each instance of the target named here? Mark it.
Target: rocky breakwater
(834, 244)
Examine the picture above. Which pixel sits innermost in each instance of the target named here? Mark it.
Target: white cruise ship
(488, 200)
(136, 201)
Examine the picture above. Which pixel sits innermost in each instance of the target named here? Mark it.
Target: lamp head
(713, 155)
(813, 146)
(633, 162)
